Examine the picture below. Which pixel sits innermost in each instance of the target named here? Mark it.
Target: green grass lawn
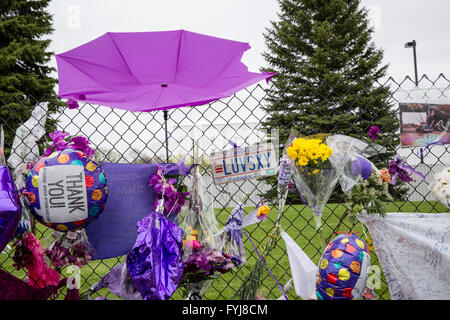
(296, 221)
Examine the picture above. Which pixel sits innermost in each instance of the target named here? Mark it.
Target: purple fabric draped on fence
(13, 288)
(129, 200)
(155, 264)
(10, 208)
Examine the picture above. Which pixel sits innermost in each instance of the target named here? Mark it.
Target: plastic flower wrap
(365, 186)
(68, 249)
(316, 167)
(155, 262)
(440, 186)
(10, 206)
(203, 257)
(355, 160)
(29, 254)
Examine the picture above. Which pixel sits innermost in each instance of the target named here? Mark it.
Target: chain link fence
(132, 137)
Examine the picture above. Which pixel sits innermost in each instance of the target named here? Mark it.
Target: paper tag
(71, 235)
(62, 194)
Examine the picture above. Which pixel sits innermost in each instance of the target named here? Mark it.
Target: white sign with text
(62, 193)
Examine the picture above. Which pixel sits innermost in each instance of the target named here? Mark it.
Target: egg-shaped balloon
(343, 269)
(66, 190)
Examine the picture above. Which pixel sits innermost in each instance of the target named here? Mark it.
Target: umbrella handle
(166, 117)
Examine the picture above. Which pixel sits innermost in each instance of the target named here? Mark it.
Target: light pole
(412, 44)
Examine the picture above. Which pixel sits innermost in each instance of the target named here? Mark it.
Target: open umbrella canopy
(146, 71)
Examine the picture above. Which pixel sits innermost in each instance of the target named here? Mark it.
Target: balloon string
(270, 272)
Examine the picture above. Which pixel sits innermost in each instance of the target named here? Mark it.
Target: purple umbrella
(147, 71)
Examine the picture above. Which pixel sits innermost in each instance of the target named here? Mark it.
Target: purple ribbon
(430, 144)
(235, 146)
(234, 227)
(268, 269)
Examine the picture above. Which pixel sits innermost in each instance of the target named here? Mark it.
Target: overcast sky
(395, 22)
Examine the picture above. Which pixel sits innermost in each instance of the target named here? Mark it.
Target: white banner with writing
(62, 194)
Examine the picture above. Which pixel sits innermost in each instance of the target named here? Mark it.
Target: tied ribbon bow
(399, 169)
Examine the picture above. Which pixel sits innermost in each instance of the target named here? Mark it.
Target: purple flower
(173, 198)
(208, 261)
(30, 165)
(72, 104)
(59, 142)
(172, 181)
(48, 151)
(373, 132)
(397, 170)
(82, 144)
(58, 135)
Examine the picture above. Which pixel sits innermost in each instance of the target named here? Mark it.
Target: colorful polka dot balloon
(66, 190)
(343, 269)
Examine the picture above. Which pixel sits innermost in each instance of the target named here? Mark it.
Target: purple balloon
(155, 263)
(343, 269)
(10, 208)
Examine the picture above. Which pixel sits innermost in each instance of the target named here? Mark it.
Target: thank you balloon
(66, 190)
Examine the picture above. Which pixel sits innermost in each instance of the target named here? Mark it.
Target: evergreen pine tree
(24, 71)
(328, 75)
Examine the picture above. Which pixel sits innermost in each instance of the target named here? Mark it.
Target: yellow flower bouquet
(309, 154)
(315, 170)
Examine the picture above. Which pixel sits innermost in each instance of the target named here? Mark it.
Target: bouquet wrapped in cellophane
(365, 186)
(313, 172)
(203, 257)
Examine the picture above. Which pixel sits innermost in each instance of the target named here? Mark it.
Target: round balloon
(66, 190)
(343, 269)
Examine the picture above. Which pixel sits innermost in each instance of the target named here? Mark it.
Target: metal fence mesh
(131, 137)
